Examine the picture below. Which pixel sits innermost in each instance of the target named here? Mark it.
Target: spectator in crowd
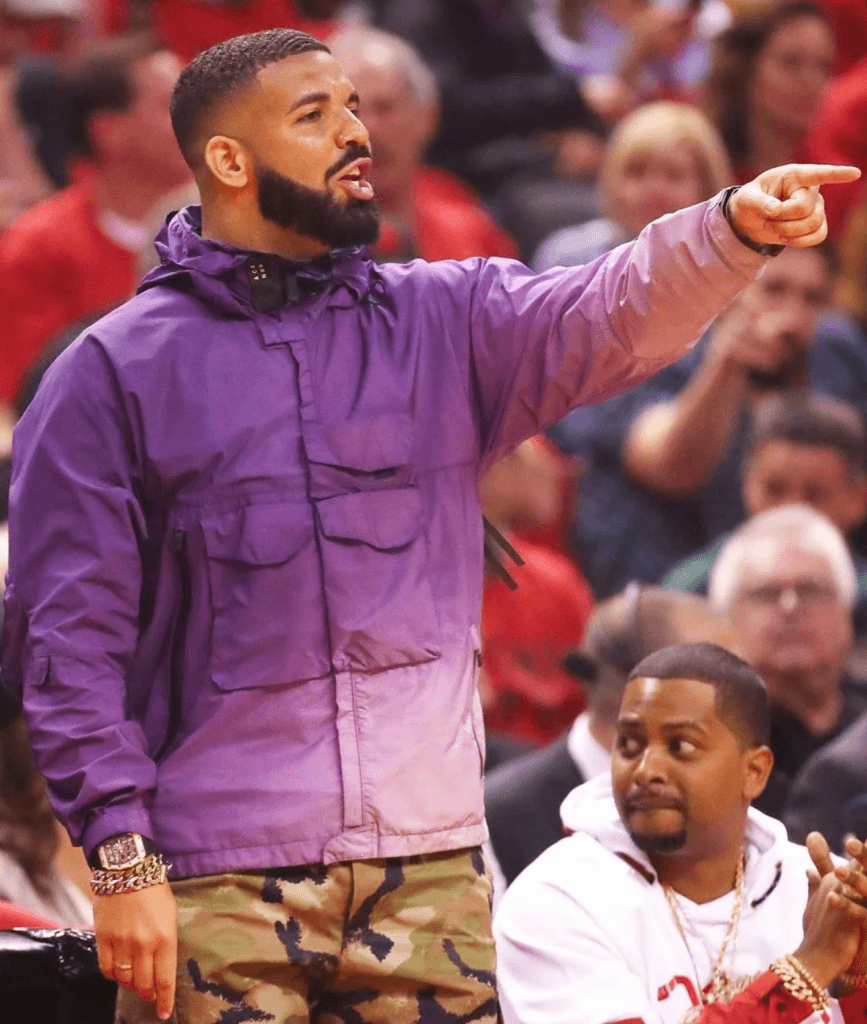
(661, 158)
(637, 50)
(804, 449)
(523, 797)
(29, 835)
(829, 794)
(426, 212)
(674, 899)
(501, 101)
(187, 26)
(767, 76)
(528, 695)
(787, 579)
(22, 180)
(664, 460)
(76, 253)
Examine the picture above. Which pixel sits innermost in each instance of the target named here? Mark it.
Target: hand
(608, 96)
(140, 929)
(784, 206)
(854, 877)
(660, 32)
(746, 341)
(833, 922)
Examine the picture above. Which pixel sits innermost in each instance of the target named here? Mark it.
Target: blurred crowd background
(724, 499)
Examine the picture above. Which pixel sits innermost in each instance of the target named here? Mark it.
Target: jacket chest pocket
(266, 604)
(373, 540)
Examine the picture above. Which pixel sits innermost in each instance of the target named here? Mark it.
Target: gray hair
(359, 44)
(799, 525)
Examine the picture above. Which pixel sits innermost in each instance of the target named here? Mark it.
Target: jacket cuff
(111, 821)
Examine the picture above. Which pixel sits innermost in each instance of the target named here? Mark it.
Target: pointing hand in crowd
(783, 206)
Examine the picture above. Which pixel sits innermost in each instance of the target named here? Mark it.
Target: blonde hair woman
(661, 158)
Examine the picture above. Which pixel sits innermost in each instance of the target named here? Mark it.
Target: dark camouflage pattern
(400, 941)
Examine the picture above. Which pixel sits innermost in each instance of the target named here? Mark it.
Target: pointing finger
(804, 175)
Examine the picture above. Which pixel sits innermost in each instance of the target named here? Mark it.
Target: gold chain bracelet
(800, 983)
(151, 870)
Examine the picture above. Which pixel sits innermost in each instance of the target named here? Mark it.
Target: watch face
(121, 852)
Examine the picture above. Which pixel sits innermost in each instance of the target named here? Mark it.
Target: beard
(316, 213)
(659, 842)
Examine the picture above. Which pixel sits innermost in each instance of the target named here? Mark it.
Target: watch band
(762, 250)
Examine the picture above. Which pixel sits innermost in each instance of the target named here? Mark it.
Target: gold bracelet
(151, 870)
(853, 980)
(800, 983)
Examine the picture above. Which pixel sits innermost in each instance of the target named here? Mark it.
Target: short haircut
(815, 420)
(102, 79)
(224, 69)
(741, 695)
(797, 525)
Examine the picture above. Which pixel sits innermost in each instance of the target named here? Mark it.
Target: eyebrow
(318, 97)
(685, 723)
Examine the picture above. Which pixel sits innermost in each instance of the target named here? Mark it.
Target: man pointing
(246, 630)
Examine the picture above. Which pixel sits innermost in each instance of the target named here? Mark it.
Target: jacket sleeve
(72, 602)
(543, 344)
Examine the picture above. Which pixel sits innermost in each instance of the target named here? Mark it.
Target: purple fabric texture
(246, 547)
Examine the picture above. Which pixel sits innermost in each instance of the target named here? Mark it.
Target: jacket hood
(222, 274)
(590, 809)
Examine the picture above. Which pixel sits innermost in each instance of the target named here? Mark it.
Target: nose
(788, 599)
(650, 767)
(353, 132)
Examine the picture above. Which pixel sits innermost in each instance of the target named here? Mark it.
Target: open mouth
(355, 179)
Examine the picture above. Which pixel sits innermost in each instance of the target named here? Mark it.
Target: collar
(590, 757)
(267, 281)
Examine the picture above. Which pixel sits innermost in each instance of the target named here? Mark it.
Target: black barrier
(51, 976)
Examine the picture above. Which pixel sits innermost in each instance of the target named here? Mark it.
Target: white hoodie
(585, 934)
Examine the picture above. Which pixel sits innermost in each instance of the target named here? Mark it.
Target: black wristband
(762, 250)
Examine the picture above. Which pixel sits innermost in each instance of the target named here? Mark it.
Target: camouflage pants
(400, 941)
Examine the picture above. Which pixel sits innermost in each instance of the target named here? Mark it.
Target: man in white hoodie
(673, 900)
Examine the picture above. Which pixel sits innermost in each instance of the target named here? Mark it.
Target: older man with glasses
(787, 580)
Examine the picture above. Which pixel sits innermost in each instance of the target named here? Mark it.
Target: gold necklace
(721, 989)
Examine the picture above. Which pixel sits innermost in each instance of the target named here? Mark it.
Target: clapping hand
(783, 206)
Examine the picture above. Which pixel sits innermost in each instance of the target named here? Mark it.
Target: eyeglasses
(808, 593)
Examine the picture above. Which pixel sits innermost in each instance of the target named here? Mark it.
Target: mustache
(642, 799)
(353, 152)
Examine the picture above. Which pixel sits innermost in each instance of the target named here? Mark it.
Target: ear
(429, 119)
(105, 131)
(758, 763)
(229, 161)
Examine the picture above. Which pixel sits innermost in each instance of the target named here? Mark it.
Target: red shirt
(850, 29)
(840, 137)
(525, 634)
(189, 26)
(450, 223)
(56, 267)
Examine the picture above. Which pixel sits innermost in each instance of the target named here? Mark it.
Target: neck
(771, 145)
(123, 191)
(700, 878)
(812, 696)
(247, 229)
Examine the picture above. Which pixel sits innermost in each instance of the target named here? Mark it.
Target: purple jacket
(246, 547)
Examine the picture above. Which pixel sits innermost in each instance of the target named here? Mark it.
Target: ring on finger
(123, 967)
